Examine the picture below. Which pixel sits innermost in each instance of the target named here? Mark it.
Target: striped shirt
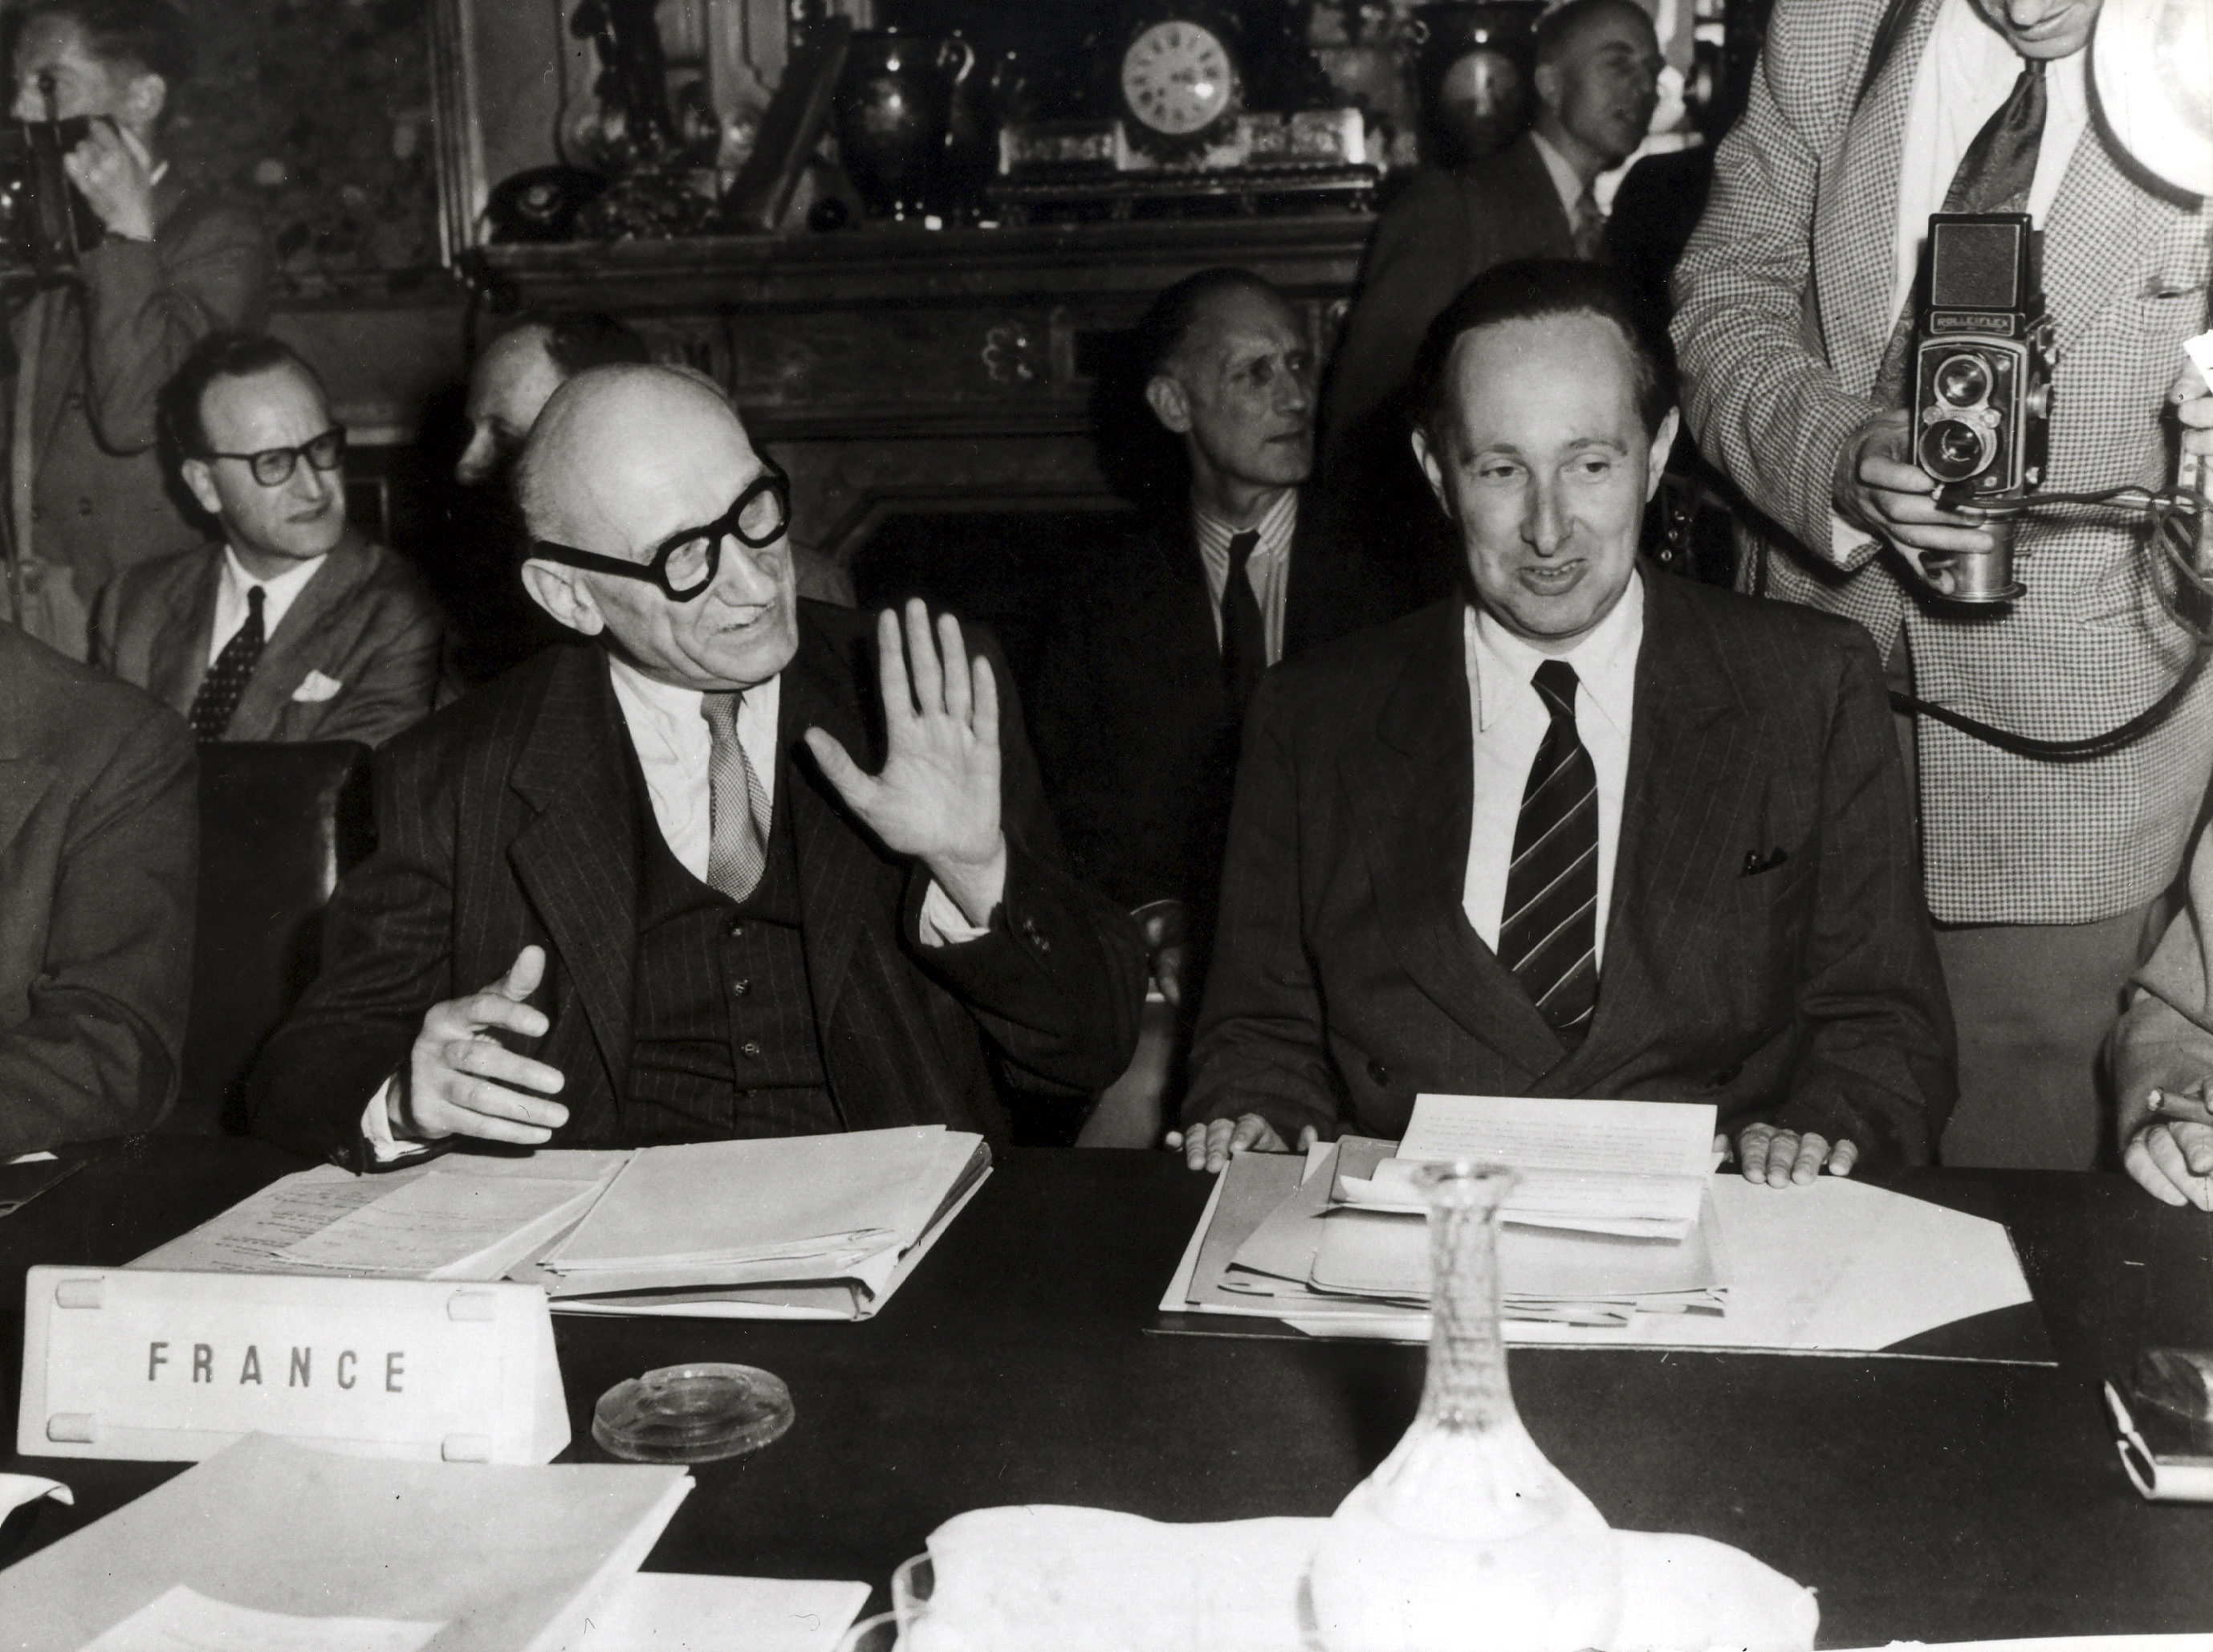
(1268, 567)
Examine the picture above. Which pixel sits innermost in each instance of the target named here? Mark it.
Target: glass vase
(1466, 1537)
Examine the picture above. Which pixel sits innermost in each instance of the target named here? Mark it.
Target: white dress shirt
(1510, 721)
(1268, 567)
(277, 596)
(1967, 72)
(673, 743)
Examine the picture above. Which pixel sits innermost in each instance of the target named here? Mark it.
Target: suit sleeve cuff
(1850, 547)
(384, 1148)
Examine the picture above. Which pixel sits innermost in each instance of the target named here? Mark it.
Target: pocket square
(315, 687)
(1755, 863)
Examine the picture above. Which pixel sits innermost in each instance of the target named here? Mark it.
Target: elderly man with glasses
(288, 625)
(726, 864)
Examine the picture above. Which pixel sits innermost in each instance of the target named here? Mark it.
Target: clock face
(1176, 77)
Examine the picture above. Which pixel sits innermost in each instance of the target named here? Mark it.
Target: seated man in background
(288, 625)
(1584, 831)
(99, 832)
(1150, 661)
(644, 874)
(88, 356)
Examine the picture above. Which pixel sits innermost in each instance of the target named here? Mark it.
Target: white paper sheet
(183, 1620)
(678, 1612)
(1647, 1138)
(453, 1225)
(17, 1489)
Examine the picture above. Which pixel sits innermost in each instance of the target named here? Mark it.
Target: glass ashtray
(691, 1413)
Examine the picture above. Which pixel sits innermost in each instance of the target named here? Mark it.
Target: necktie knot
(254, 596)
(1242, 546)
(721, 712)
(1556, 683)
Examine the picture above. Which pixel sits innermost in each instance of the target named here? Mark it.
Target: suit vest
(723, 1042)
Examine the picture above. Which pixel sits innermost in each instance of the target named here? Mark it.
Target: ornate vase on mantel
(1466, 1538)
(894, 105)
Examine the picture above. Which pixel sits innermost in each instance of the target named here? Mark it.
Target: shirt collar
(677, 709)
(1566, 180)
(283, 588)
(1605, 660)
(1275, 527)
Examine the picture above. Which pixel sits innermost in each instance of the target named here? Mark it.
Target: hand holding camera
(1879, 488)
(114, 172)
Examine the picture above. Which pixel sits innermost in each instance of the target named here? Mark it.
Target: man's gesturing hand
(1878, 487)
(937, 798)
(1211, 1145)
(115, 173)
(1783, 1158)
(462, 1082)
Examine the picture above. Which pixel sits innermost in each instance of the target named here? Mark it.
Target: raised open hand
(937, 798)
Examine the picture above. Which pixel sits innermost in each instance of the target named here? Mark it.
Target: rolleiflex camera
(44, 223)
(1982, 374)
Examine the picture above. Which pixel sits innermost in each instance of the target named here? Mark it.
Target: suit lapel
(836, 869)
(1536, 186)
(1411, 795)
(1682, 815)
(23, 781)
(293, 644)
(177, 659)
(578, 859)
(1856, 318)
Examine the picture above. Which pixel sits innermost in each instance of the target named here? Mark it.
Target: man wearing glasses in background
(729, 864)
(288, 625)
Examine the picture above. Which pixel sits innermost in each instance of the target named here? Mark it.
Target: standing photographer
(1866, 117)
(85, 496)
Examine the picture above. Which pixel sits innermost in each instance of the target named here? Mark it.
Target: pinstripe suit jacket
(1783, 312)
(512, 819)
(1347, 980)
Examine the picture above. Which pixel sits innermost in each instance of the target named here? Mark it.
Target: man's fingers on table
(1842, 1157)
(1812, 1151)
(1215, 1153)
(2168, 1165)
(1308, 1137)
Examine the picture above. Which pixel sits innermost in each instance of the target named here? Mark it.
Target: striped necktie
(738, 805)
(226, 680)
(1244, 635)
(1548, 936)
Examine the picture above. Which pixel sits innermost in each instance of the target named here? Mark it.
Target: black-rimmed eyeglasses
(273, 466)
(684, 563)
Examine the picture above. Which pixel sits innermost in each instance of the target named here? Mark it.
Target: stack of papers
(813, 1227)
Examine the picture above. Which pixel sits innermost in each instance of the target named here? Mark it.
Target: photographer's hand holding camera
(168, 265)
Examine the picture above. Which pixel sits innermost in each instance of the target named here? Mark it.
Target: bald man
(726, 863)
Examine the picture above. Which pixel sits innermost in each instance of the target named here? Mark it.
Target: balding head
(1598, 78)
(623, 460)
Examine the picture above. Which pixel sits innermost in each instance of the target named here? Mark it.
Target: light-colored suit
(99, 839)
(1783, 312)
(356, 656)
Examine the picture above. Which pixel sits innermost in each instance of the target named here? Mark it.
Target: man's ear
(1546, 83)
(561, 594)
(1165, 396)
(201, 480)
(144, 97)
(1663, 443)
(1432, 469)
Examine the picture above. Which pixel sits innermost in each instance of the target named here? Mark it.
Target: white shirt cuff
(376, 1126)
(1850, 547)
(943, 924)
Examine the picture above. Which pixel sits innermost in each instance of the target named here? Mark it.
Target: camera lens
(1963, 380)
(1952, 450)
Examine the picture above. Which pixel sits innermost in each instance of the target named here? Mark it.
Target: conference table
(1925, 1499)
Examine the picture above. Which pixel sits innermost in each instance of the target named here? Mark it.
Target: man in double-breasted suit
(2041, 868)
(1589, 832)
(98, 834)
(650, 861)
(291, 626)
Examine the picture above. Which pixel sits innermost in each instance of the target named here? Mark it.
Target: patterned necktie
(737, 804)
(226, 680)
(1994, 175)
(1587, 225)
(1550, 930)
(1244, 638)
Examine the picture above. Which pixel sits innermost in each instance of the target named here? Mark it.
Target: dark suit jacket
(362, 621)
(99, 837)
(512, 819)
(1134, 729)
(1347, 979)
(104, 353)
(1448, 228)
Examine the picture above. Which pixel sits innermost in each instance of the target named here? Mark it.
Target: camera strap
(2090, 747)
